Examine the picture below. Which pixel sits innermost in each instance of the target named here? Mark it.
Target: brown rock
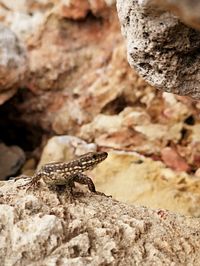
(77, 72)
(74, 9)
(172, 159)
(132, 129)
(188, 11)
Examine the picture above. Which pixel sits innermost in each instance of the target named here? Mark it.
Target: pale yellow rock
(133, 179)
(195, 133)
(101, 124)
(154, 132)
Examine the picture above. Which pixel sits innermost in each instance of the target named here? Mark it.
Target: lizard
(66, 173)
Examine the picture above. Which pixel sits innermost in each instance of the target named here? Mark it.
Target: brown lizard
(66, 173)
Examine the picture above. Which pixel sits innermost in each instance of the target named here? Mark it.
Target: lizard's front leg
(85, 180)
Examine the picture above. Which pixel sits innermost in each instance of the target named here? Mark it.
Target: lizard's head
(91, 159)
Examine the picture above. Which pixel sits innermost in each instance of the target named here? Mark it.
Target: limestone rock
(44, 227)
(161, 48)
(132, 178)
(173, 159)
(24, 17)
(13, 63)
(188, 11)
(131, 129)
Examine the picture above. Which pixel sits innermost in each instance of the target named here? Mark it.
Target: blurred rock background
(66, 88)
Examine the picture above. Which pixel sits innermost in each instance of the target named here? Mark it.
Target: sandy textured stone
(13, 63)
(75, 79)
(131, 129)
(186, 10)
(78, 9)
(161, 48)
(173, 160)
(47, 228)
(25, 17)
(132, 178)
(83, 73)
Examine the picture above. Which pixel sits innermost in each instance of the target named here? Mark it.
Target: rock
(131, 129)
(163, 50)
(132, 178)
(101, 124)
(78, 9)
(197, 173)
(13, 63)
(80, 82)
(11, 160)
(24, 18)
(188, 11)
(44, 227)
(173, 159)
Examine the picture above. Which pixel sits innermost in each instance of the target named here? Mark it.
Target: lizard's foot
(102, 194)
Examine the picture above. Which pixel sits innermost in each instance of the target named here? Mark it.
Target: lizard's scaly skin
(66, 173)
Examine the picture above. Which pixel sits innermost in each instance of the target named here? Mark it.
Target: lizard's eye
(94, 156)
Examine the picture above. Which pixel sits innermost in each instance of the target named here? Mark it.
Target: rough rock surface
(13, 63)
(73, 65)
(24, 17)
(44, 227)
(186, 10)
(135, 179)
(160, 47)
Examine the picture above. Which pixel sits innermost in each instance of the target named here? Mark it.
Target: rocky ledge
(44, 226)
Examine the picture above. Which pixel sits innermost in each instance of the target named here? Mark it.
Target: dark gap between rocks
(19, 139)
(14, 131)
(116, 106)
